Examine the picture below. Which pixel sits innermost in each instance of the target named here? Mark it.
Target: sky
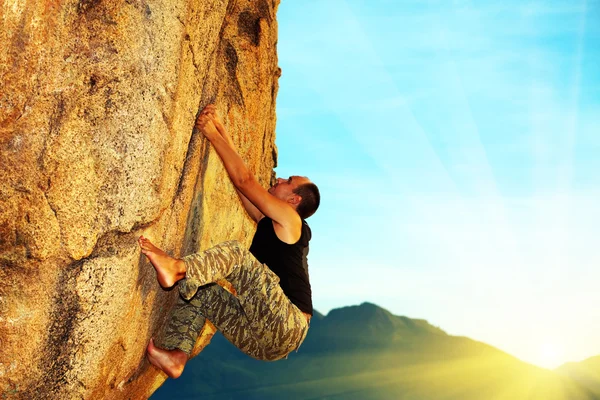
(455, 144)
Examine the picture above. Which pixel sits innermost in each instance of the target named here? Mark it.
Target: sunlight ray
(484, 177)
(413, 149)
(554, 159)
(470, 139)
(410, 150)
(473, 219)
(385, 151)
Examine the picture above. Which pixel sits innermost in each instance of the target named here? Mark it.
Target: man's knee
(233, 244)
(233, 248)
(268, 355)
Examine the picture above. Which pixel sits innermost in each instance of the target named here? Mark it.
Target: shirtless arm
(287, 222)
(252, 211)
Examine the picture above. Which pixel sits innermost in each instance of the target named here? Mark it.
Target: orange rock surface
(97, 104)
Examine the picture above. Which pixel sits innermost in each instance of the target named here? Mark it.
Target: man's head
(299, 192)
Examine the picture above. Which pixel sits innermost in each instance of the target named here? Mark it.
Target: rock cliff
(97, 104)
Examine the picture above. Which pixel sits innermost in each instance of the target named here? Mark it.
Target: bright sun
(549, 355)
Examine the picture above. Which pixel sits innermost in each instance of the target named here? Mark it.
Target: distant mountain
(365, 326)
(366, 353)
(586, 373)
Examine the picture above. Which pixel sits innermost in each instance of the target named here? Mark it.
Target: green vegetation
(364, 352)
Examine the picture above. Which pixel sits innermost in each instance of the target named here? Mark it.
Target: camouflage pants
(261, 321)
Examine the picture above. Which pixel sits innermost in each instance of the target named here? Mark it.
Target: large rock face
(97, 104)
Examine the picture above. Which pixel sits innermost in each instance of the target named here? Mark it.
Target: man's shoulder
(306, 234)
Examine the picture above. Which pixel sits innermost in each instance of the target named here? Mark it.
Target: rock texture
(97, 103)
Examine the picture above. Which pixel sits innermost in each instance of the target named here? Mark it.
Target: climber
(269, 315)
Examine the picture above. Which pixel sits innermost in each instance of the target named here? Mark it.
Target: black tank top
(287, 261)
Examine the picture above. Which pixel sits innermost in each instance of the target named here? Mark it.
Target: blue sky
(456, 147)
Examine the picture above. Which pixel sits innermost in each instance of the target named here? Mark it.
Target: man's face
(284, 187)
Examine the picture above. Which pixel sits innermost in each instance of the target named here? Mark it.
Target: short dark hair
(311, 198)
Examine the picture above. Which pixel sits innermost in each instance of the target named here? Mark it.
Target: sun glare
(549, 355)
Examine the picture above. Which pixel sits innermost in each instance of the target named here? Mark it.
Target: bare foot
(171, 362)
(169, 270)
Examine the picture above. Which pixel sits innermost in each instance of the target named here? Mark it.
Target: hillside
(586, 373)
(364, 352)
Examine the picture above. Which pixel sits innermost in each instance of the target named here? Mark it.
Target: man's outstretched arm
(252, 211)
(278, 210)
